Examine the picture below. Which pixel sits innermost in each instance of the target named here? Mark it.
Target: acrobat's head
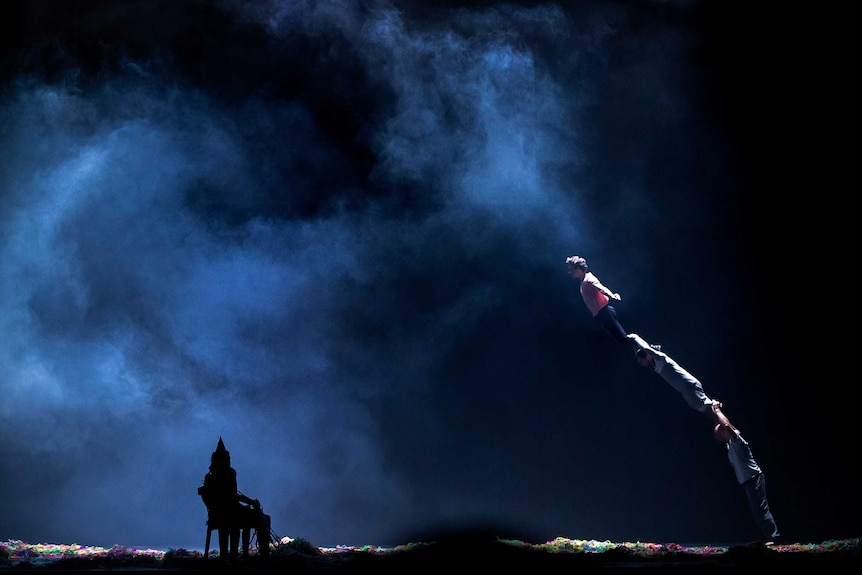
(577, 262)
(723, 433)
(577, 267)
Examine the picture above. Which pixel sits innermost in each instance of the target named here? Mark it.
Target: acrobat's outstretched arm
(602, 288)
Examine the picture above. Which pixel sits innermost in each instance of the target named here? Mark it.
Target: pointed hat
(220, 455)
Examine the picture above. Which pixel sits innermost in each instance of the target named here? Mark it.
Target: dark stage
(464, 553)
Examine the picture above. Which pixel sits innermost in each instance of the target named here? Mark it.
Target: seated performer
(230, 511)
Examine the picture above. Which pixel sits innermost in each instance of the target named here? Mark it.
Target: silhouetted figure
(231, 512)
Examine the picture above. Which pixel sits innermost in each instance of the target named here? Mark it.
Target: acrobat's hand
(616, 296)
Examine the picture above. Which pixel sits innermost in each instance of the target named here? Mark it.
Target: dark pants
(607, 317)
(755, 491)
(239, 525)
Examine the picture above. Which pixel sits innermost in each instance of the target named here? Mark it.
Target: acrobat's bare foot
(639, 343)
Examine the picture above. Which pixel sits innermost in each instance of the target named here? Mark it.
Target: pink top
(592, 294)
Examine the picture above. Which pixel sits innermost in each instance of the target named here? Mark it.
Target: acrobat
(748, 473)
